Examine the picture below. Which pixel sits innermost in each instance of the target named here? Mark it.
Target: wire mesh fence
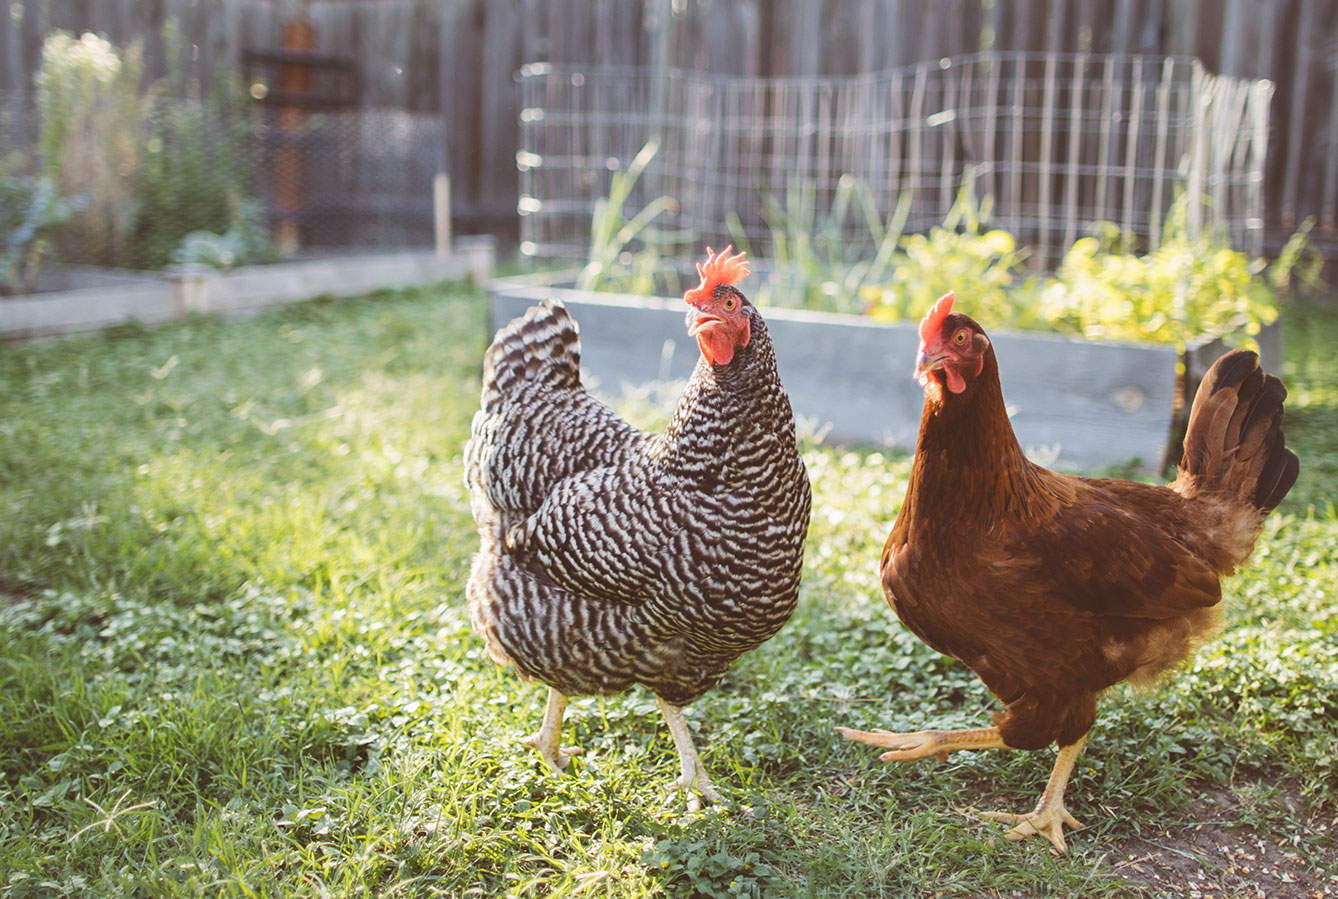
(355, 178)
(1058, 142)
(296, 181)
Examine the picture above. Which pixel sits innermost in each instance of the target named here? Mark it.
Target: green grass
(236, 661)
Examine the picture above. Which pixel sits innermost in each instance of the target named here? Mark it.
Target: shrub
(191, 179)
(611, 264)
(194, 171)
(824, 262)
(153, 166)
(1190, 286)
(246, 241)
(89, 101)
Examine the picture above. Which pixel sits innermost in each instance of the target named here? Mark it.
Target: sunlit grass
(236, 656)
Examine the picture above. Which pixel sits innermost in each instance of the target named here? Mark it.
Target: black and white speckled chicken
(611, 557)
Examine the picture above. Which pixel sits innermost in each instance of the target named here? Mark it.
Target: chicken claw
(556, 757)
(1050, 815)
(698, 787)
(925, 743)
(1046, 820)
(694, 780)
(547, 739)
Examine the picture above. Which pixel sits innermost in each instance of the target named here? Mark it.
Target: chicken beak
(927, 362)
(699, 320)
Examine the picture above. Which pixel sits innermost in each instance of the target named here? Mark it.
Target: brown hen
(1053, 588)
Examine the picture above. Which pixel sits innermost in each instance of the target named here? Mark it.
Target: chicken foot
(548, 738)
(1050, 815)
(923, 744)
(1047, 819)
(694, 775)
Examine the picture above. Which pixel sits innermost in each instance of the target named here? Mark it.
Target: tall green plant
(612, 264)
(194, 172)
(824, 261)
(88, 96)
(192, 178)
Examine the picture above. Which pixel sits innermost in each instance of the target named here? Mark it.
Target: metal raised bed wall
(1074, 403)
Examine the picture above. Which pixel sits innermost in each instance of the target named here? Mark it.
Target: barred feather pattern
(609, 556)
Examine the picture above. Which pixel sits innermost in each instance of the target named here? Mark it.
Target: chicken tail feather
(1234, 442)
(543, 344)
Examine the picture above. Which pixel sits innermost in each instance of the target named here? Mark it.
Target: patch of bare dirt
(10, 591)
(1218, 856)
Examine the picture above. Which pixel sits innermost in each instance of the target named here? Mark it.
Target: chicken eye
(731, 303)
(960, 337)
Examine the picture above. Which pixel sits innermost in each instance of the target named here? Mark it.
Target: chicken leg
(694, 775)
(548, 738)
(909, 747)
(1049, 816)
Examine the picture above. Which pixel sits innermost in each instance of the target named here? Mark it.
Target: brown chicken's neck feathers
(968, 463)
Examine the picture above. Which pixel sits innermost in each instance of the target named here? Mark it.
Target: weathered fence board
(460, 56)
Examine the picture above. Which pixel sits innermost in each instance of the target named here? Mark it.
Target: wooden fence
(460, 57)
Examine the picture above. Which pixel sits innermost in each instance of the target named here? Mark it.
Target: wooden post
(1296, 116)
(1044, 237)
(299, 35)
(1329, 199)
(1261, 93)
(11, 24)
(441, 212)
(1203, 87)
(1132, 148)
(1159, 156)
(190, 288)
(659, 19)
(1075, 137)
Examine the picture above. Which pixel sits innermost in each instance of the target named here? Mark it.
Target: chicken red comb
(932, 323)
(719, 268)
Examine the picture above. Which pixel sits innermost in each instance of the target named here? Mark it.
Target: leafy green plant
(31, 207)
(191, 178)
(194, 172)
(1190, 286)
(153, 166)
(701, 859)
(612, 264)
(959, 255)
(89, 100)
(245, 242)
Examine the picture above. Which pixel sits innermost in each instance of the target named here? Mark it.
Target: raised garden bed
(98, 300)
(1075, 403)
